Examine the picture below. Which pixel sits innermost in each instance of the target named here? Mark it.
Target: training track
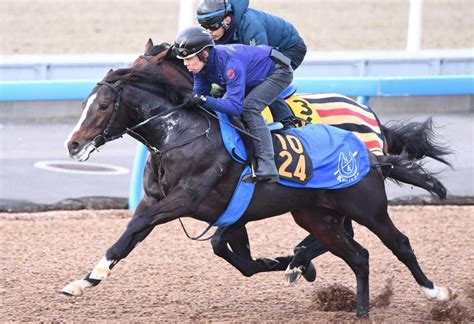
(170, 278)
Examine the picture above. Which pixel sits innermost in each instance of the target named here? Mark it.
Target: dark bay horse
(194, 176)
(418, 140)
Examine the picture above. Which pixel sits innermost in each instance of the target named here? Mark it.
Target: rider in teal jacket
(255, 24)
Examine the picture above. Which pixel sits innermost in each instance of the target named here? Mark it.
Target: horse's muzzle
(80, 152)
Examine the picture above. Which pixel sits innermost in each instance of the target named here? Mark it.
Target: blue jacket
(238, 68)
(255, 27)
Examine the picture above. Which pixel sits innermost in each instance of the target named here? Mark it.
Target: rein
(159, 152)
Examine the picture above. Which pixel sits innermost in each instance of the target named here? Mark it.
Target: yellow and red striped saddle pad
(339, 111)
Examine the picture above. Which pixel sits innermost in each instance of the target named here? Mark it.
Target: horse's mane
(170, 57)
(149, 79)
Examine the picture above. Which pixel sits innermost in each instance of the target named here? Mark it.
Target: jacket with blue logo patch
(238, 68)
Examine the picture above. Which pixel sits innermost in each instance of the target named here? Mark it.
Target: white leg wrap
(440, 294)
(76, 288)
(102, 270)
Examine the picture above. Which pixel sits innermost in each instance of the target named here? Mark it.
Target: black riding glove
(193, 99)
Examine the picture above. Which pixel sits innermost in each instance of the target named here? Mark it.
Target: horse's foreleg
(137, 230)
(240, 256)
(328, 226)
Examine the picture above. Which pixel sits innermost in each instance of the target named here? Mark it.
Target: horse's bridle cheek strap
(106, 133)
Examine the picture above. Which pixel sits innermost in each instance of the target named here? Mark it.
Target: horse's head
(102, 118)
(124, 98)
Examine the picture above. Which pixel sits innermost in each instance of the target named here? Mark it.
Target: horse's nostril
(73, 146)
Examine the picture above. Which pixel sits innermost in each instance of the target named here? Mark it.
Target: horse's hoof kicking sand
(440, 294)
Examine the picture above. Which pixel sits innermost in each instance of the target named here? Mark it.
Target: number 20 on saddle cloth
(339, 111)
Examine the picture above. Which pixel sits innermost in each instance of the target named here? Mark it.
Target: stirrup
(252, 177)
(289, 123)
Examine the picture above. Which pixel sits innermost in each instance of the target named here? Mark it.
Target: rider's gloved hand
(193, 99)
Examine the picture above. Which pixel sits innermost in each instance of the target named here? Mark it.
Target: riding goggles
(183, 53)
(211, 27)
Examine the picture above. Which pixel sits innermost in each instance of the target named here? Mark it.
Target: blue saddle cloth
(232, 140)
(339, 159)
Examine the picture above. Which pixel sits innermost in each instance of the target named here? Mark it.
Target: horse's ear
(148, 45)
(113, 76)
(108, 74)
(170, 53)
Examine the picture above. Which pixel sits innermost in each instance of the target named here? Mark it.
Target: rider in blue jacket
(232, 21)
(253, 76)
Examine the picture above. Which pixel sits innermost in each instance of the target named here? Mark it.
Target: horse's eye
(103, 106)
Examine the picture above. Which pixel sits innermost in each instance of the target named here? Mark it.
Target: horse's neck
(176, 127)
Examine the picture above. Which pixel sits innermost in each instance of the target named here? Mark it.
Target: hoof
(448, 293)
(73, 289)
(292, 276)
(310, 273)
(440, 294)
(362, 315)
(99, 274)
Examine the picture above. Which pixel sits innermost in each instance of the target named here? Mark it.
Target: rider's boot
(280, 110)
(266, 170)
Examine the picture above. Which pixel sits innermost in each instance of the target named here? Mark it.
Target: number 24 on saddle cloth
(320, 156)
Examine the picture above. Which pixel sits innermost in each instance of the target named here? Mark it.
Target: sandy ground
(170, 278)
(108, 26)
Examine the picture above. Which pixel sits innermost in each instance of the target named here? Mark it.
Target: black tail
(401, 169)
(417, 139)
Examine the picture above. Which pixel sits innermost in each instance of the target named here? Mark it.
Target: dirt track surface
(170, 278)
(108, 26)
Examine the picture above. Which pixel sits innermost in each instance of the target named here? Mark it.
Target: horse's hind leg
(328, 226)
(368, 207)
(399, 244)
(239, 242)
(240, 256)
(308, 249)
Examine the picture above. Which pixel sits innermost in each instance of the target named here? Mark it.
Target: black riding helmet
(211, 13)
(191, 41)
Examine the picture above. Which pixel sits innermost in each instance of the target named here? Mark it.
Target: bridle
(107, 137)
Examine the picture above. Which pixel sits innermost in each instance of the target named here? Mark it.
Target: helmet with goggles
(211, 13)
(191, 41)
